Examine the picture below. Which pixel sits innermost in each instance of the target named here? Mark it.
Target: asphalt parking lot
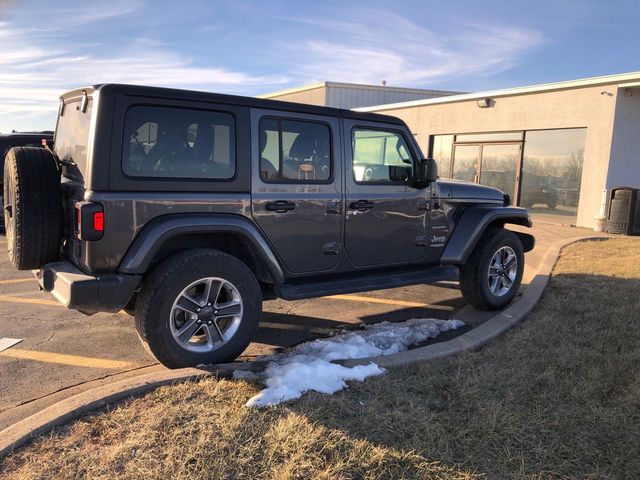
(63, 352)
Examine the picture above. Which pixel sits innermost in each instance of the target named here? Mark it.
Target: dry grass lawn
(556, 397)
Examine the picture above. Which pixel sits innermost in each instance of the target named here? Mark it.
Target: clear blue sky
(251, 47)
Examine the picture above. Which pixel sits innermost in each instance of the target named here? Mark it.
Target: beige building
(554, 148)
(353, 95)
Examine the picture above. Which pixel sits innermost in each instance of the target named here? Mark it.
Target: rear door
(296, 187)
(386, 221)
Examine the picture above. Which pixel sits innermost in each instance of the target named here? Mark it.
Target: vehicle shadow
(282, 330)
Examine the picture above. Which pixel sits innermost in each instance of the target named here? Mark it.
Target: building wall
(314, 96)
(581, 107)
(625, 148)
(355, 96)
(346, 95)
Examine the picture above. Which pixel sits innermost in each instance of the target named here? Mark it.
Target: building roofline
(625, 79)
(389, 88)
(287, 91)
(357, 85)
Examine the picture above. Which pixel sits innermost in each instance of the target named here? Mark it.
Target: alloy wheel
(206, 314)
(502, 272)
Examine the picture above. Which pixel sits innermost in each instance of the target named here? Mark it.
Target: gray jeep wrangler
(187, 209)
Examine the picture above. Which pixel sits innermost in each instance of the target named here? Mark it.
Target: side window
(293, 151)
(380, 157)
(170, 142)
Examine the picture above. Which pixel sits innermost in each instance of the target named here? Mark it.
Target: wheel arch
(474, 222)
(170, 234)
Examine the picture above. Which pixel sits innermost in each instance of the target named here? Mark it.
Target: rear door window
(168, 142)
(294, 151)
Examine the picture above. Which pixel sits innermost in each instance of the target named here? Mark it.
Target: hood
(468, 191)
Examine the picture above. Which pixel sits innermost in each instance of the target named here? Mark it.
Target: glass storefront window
(441, 148)
(552, 170)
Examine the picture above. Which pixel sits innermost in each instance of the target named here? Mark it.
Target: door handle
(361, 205)
(280, 206)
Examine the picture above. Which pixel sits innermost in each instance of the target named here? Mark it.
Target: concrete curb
(78, 405)
(83, 403)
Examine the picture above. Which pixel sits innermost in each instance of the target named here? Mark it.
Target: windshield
(72, 137)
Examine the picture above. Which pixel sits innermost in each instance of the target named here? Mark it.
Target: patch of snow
(309, 365)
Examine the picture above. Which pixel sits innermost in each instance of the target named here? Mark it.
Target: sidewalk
(548, 230)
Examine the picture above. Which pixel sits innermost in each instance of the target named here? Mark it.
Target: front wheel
(493, 273)
(198, 307)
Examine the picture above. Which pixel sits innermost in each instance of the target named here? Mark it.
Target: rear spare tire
(32, 207)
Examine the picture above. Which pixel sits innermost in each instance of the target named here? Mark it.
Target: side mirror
(427, 172)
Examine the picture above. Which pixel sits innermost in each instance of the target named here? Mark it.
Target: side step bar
(365, 283)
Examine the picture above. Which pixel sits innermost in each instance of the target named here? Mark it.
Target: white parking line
(65, 359)
(8, 343)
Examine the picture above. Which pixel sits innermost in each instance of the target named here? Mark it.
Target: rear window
(166, 142)
(72, 136)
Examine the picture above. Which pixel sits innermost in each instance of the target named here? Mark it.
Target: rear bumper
(89, 294)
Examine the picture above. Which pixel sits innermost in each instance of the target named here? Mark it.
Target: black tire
(153, 311)
(33, 207)
(474, 275)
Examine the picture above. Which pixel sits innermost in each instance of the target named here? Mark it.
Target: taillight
(98, 222)
(89, 221)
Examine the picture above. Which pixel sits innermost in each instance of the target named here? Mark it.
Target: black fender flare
(161, 229)
(473, 223)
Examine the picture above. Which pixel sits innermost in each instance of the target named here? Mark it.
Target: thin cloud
(40, 61)
(32, 58)
(377, 45)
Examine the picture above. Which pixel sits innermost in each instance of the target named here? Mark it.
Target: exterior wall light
(484, 102)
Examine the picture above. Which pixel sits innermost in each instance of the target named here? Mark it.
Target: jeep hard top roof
(209, 97)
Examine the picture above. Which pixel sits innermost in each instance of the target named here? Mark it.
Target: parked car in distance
(187, 209)
(19, 139)
(536, 190)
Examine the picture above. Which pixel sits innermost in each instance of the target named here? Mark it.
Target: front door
(492, 164)
(386, 221)
(466, 164)
(296, 192)
(499, 167)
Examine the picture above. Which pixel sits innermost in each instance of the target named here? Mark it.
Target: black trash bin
(623, 211)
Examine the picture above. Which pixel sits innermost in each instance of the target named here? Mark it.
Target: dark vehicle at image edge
(19, 139)
(187, 209)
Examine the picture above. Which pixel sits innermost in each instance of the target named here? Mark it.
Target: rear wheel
(32, 207)
(493, 273)
(198, 307)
